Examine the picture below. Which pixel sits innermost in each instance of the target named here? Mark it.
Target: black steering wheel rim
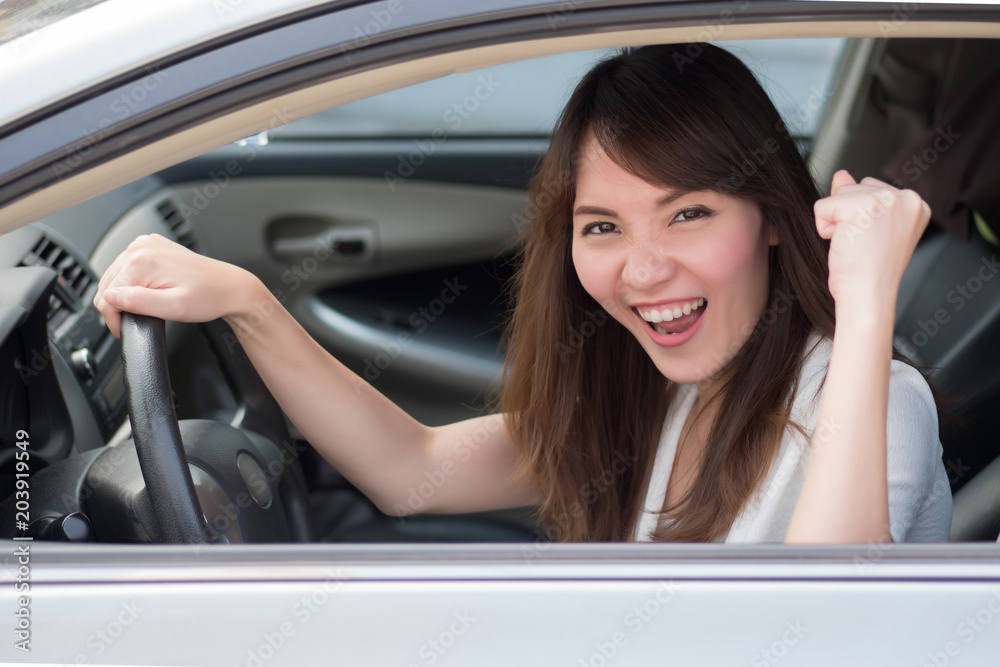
(156, 432)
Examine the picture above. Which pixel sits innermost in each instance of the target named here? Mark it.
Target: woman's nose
(648, 264)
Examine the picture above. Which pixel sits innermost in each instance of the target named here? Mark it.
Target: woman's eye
(690, 214)
(600, 228)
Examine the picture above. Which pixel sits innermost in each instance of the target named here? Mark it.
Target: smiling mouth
(682, 317)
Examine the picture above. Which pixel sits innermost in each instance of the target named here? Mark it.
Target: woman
(673, 199)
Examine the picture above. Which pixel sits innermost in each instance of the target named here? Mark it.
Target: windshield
(797, 74)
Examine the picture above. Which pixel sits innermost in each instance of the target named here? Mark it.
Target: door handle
(347, 244)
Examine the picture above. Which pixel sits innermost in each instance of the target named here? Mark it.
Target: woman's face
(648, 253)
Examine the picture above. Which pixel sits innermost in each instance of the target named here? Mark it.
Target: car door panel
(420, 228)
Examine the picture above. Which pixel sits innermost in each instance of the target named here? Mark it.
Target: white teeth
(661, 331)
(669, 314)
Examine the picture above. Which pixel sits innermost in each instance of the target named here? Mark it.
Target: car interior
(409, 291)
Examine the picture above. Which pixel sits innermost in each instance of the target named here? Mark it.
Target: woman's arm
(873, 229)
(400, 464)
(845, 497)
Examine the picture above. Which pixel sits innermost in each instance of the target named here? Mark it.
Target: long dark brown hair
(583, 401)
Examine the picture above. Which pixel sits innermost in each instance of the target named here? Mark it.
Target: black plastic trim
(493, 162)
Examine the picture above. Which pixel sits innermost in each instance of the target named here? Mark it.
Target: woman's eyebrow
(597, 210)
(594, 210)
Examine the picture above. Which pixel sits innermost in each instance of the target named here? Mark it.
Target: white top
(919, 492)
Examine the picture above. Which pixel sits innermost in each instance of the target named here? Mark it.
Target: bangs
(684, 124)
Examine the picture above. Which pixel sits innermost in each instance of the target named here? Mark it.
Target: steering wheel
(246, 473)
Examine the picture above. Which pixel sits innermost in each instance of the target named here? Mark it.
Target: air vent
(177, 223)
(73, 280)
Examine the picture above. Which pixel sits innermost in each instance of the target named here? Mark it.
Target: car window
(23, 17)
(524, 98)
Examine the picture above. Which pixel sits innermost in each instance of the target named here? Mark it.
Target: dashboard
(63, 383)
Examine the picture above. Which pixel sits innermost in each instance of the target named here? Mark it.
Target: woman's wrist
(866, 329)
(866, 311)
(245, 300)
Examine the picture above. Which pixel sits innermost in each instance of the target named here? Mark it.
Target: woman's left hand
(873, 229)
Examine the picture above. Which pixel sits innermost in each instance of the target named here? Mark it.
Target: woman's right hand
(155, 276)
(383, 451)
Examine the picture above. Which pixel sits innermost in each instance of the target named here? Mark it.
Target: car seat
(948, 308)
